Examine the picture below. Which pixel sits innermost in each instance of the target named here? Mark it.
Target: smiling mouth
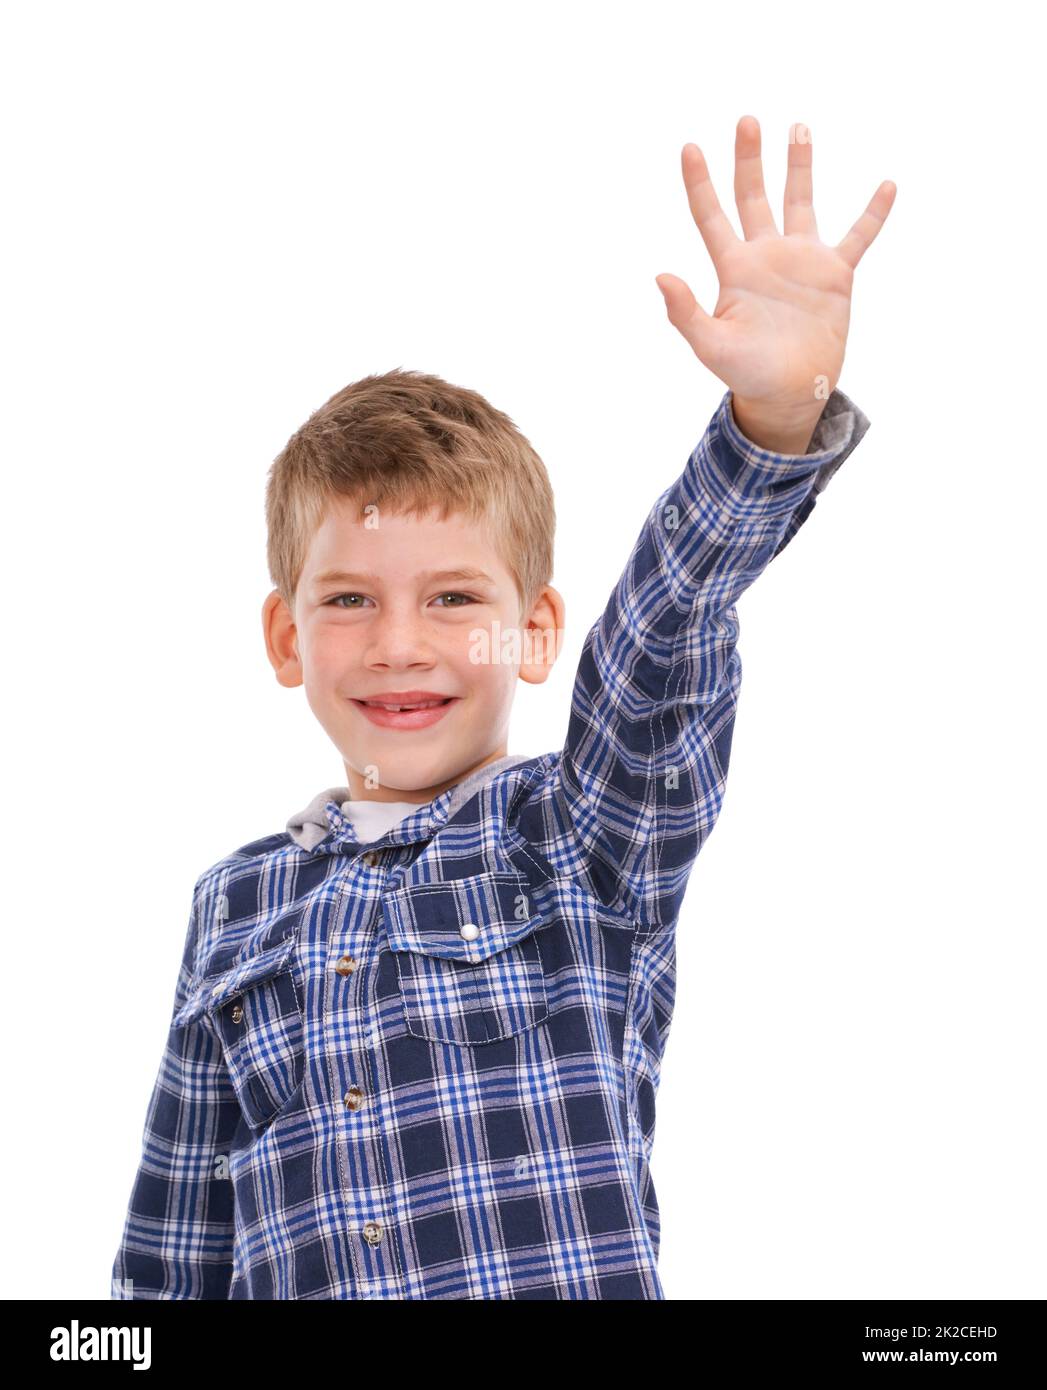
(413, 717)
(421, 704)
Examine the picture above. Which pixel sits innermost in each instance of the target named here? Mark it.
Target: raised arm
(641, 777)
(640, 780)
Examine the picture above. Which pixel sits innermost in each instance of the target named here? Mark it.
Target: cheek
(328, 653)
(493, 681)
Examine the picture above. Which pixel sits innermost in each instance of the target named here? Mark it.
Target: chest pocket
(254, 1008)
(467, 958)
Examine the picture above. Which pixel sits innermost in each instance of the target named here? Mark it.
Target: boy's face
(381, 610)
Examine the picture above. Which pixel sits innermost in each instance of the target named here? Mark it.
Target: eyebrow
(430, 577)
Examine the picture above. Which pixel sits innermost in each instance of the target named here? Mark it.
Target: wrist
(780, 432)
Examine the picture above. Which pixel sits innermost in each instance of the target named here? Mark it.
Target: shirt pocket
(467, 959)
(254, 1008)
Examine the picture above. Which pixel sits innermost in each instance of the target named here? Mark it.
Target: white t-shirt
(371, 819)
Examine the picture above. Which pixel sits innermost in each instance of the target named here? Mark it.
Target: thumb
(688, 316)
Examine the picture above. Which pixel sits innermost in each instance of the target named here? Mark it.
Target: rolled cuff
(744, 478)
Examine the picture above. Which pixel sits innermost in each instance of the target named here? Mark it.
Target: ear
(281, 640)
(542, 636)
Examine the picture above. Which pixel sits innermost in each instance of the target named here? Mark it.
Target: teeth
(377, 704)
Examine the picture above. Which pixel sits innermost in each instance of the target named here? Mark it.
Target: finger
(687, 315)
(799, 183)
(753, 207)
(867, 228)
(709, 216)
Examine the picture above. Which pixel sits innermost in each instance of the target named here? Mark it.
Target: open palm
(778, 332)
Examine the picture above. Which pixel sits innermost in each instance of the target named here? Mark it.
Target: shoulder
(236, 874)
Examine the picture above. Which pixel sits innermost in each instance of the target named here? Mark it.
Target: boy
(416, 1036)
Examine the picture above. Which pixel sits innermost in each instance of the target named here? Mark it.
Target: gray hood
(310, 825)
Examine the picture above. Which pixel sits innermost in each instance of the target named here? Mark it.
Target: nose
(398, 639)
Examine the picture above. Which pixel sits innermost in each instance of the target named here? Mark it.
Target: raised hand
(777, 335)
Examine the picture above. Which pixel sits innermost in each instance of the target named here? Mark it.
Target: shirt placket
(351, 1033)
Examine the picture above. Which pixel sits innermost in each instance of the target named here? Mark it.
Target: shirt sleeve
(177, 1240)
(641, 776)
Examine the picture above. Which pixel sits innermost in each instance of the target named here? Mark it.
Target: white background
(216, 216)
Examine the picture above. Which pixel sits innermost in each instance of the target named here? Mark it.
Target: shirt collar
(322, 828)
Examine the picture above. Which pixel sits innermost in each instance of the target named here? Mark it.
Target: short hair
(412, 441)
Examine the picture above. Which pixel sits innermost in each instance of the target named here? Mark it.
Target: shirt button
(372, 1233)
(470, 931)
(345, 965)
(371, 858)
(238, 1014)
(354, 1098)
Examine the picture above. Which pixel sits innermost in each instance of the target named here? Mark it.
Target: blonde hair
(411, 441)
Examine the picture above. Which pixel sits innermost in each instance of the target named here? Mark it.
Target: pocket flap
(492, 909)
(218, 988)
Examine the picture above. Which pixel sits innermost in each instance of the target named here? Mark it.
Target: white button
(470, 931)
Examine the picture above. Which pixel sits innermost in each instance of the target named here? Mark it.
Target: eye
(333, 600)
(453, 594)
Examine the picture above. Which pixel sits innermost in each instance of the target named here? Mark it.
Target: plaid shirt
(425, 1067)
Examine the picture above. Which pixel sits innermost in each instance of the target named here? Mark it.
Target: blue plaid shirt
(425, 1067)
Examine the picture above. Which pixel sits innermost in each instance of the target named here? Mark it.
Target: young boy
(416, 1036)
